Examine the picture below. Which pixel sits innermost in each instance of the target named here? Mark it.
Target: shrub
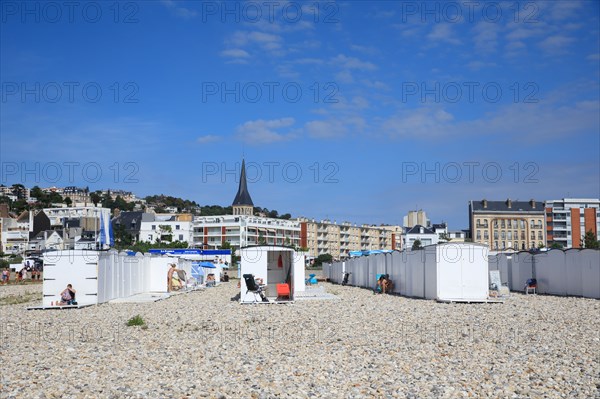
(136, 321)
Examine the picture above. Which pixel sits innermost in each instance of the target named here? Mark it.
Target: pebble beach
(204, 344)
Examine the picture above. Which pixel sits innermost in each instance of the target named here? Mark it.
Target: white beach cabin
(101, 276)
(274, 265)
(457, 272)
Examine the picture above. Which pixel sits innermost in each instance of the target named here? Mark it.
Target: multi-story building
(326, 237)
(414, 218)
(211, 232)
(128, 196)
(569, 219)
(76, 194)
(243, 227)
(424, 235)
(502, 225)
(166, 227)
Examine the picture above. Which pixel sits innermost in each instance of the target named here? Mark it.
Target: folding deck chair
(254, 288)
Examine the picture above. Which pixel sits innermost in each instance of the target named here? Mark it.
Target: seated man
(67, 297)
(387, 285)
(210, 280)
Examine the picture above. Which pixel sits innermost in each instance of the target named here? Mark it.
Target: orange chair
(283, 291)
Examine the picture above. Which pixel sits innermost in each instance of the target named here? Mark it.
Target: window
(496, 234)
(522, 223)
(540, 236)
(496, 223)
(479, 234)
(523, 245)
(496, 244)
(510, 235)
(153, 227)
(509, 224)
(176, 227)
(531, 224)
(180, 237)
(522, 235)
(539, 224)
(503, 244)
(486, 236)
(533, 235)
(478, 222)
(516, 245)
(502, 223)
(503, 235)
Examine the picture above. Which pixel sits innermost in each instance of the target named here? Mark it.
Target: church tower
(242, 204)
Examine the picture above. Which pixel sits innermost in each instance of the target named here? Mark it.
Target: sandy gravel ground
(361, 345)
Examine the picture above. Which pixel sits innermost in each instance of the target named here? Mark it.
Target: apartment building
(414, 218)
(506, 225)
(210, 232)
(165, 227)
(568, 219)
(326, 237)
(76, 194)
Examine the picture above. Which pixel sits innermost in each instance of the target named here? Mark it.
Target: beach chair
(254, 288)
(531, 286)
(283, 291)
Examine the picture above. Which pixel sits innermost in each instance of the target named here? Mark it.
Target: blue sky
(357, 111)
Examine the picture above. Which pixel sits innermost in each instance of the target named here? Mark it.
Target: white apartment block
(569, 219)
(210, 232)
(168, 228)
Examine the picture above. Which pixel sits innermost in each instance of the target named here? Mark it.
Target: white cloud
(344, 76)
(325, 129)
(556, 44)
(485, 37)
(375, 84)
(478, 65)
(209, 138)
(593, 57)
(345, 62)
(442, 33)
(265, 131)
(235, 53)
(181, 12)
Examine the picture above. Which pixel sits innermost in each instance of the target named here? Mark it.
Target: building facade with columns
(508, 225)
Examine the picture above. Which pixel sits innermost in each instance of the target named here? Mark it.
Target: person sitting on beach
(170, 273)
(5, 276)
(67, 297)
(210, 280)
(386, 285)
(225, 277)
(380, 282)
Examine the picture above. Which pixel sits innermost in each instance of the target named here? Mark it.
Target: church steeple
(242, 204)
